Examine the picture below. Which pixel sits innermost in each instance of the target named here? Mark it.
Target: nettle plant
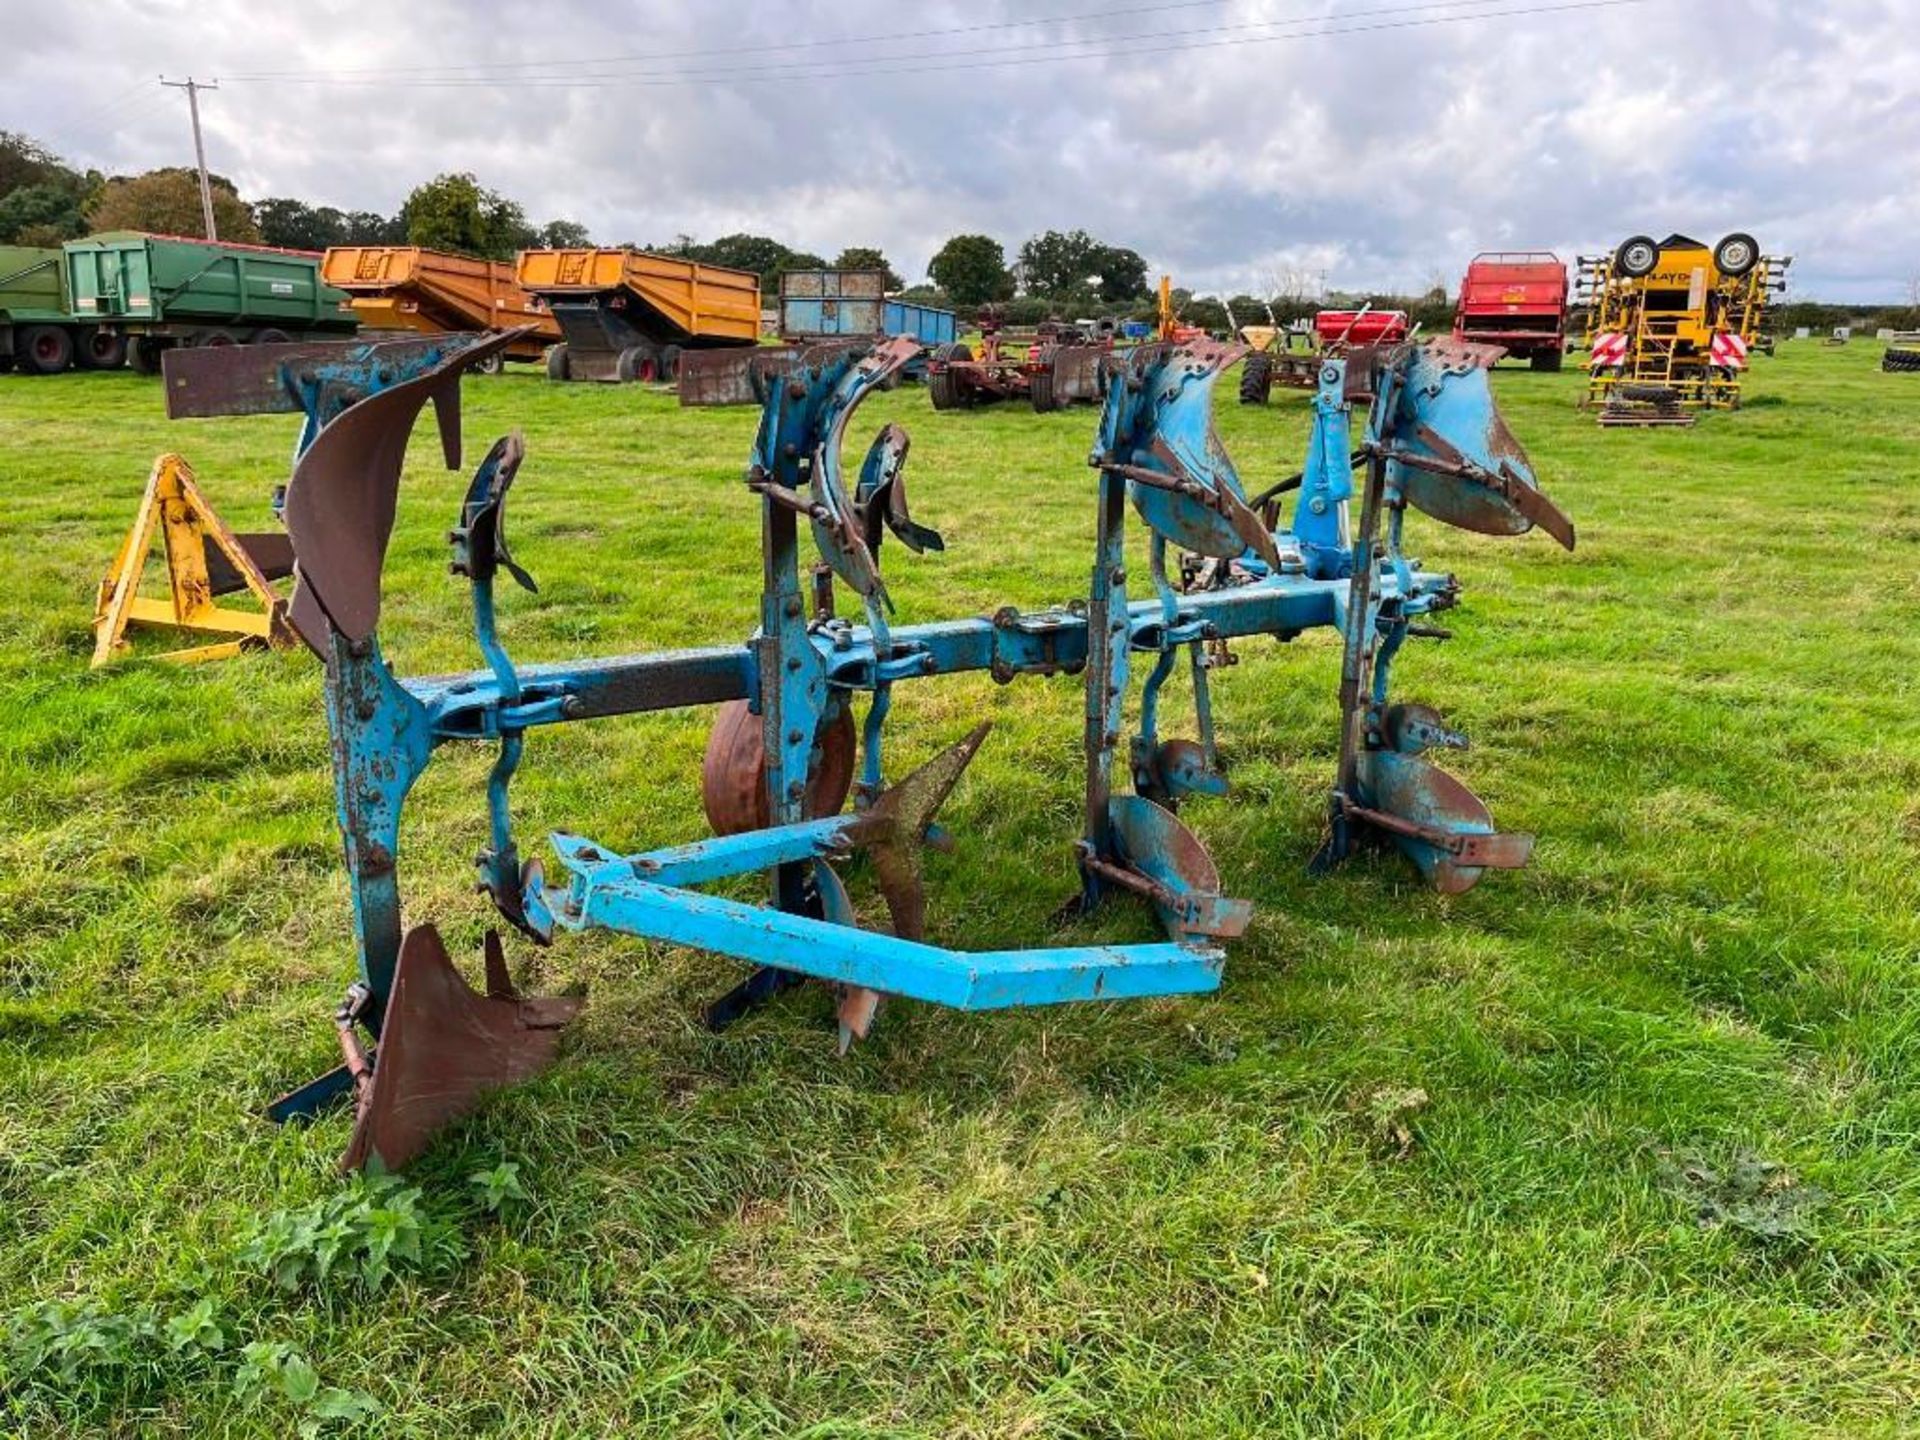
(366, 1233)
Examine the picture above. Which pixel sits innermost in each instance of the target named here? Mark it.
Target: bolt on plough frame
(420, 1045)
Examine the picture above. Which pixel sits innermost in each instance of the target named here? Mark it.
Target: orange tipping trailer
(628, 315)
(402, 287)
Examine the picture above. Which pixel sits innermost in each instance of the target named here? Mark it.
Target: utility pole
(193, 88)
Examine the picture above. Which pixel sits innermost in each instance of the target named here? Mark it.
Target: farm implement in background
(1516, 299)
(1057, 365)
(1902, 353)
(817, 307)
(420, 1044)
(1672, 324)
(400, 290)
(627, 315)
(1274, 361)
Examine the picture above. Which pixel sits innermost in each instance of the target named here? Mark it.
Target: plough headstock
(782, 759)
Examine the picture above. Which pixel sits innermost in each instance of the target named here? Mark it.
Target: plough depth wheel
(732, 784)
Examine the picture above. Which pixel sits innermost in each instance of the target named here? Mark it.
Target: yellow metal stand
(193, 534)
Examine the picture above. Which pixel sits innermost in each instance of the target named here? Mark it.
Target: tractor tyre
(637, 363)
(1735, 255)
(100, 350)
(670, 364)
(1040, 394)
(1256, 379)
(557, 367)
(43, 349)
(1548, 360)
(143, 356)
(1900, 360)
(1637, 256)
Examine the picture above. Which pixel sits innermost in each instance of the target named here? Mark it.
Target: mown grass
(1187, 1218)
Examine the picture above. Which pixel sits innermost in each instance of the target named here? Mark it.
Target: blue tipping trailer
(818, 305)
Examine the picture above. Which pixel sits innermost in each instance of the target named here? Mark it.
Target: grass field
(1665, 1179)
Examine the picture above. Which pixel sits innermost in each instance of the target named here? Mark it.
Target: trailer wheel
(1546, 359)
(100, 350)
(1256, 378)
(1040, 392)
(1736, 254)
(1637, 256)
(670, 364)
(637, 362)
(942, 389)
(557, 367)
(212, 339)
(143, 356)
(489, 365)
(44, 349)
(269, 336)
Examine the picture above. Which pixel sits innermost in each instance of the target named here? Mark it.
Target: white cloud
(1382, 158)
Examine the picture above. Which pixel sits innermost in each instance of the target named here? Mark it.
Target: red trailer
(1275, 362)
(1518, 301)
(1336, 331)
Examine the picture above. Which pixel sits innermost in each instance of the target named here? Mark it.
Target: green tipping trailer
(159, 291)
(38, 333)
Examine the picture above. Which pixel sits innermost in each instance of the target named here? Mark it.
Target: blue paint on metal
(1320, 515)
(1156, 449)
(981, 980)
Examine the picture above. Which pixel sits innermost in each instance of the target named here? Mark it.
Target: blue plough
(781, 762)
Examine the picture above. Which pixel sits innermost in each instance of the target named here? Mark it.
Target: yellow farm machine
(1672, 324)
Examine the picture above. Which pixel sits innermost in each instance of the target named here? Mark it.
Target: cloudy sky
(1234, 143)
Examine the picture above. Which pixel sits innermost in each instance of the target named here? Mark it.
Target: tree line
(1069, 274)
(45, 201)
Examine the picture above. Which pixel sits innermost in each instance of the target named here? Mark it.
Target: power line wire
(1177, 41)
(735, 50)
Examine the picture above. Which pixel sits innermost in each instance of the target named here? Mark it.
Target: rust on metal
(443, 1046)
(340, 501)
(732, 773)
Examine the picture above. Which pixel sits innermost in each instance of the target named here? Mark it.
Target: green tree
(760, 254)
(1122, 273)
(299, 226)
(865, 257)
(25, 161)
(456, 212)
(973, 270)
(167, 202)
(564, 235)
(43, 214)
(43, 201)
(364, 227)
(1055, 262)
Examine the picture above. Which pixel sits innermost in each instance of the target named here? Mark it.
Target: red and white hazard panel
(1609, 348)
